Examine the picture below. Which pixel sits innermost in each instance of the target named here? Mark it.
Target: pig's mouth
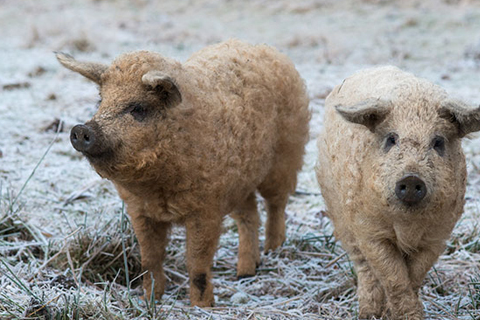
(398, 206)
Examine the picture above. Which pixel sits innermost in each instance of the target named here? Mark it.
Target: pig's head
(122, 139)
(414, 155)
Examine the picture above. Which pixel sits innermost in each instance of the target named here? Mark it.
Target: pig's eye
(138, 112)
(390, 141)
(438, 144)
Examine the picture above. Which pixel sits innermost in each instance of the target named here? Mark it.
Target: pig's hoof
(243, 276)
(273, 244)
(203, 304)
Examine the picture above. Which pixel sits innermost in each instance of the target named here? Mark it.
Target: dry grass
(92, 273)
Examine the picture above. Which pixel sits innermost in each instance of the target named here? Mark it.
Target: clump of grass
(97, 263)
(437, 281)
(19, 240)
(27, 301)
(468, 240)
(11, 226)
(102, 255)
(315, 243)
(474, 297)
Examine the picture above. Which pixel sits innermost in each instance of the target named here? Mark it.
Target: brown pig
(392, 173)
(188, 143)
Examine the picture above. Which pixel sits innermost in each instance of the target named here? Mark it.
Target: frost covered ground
(62, 255)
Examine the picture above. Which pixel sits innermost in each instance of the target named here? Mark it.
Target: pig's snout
(83, 138)
(410, 189)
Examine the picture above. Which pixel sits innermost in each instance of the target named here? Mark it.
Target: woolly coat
(391, 244)
(244, 111)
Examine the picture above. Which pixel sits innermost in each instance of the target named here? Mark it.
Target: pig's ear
(466, 118)
(164, 86)
(90, 70)
(369, 113)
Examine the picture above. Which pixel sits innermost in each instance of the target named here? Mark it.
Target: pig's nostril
(410, 189)
(83, 138)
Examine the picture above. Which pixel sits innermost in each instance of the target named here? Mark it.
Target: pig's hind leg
(275, 192)
(275, 189)
(247, 219)
(281, 180)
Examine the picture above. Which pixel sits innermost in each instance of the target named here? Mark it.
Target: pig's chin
(114, 169)
(103, 163)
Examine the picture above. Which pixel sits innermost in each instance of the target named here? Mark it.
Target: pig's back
(254, 103)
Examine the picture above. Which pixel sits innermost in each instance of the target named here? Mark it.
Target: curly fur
(241, 126)
(392, 245)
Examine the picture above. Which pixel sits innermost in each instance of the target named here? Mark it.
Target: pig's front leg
(371, 296)
(153, 238)
(388, 265)
(420, 261)
(203, 232)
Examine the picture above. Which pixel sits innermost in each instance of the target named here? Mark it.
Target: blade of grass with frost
(34, 169)
(44, 305)
(125, 260)
(458, 304)
(69, 310)
(134, 304)
(108, 288)
(437, 281)
(12, 305)
(37, 235)
(151, 307)
(164, 302)
(17, 281)
(474, 293)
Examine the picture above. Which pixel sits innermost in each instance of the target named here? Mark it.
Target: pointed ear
(90, 70)
(466, 118)
(164, 86)
(369, 113)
